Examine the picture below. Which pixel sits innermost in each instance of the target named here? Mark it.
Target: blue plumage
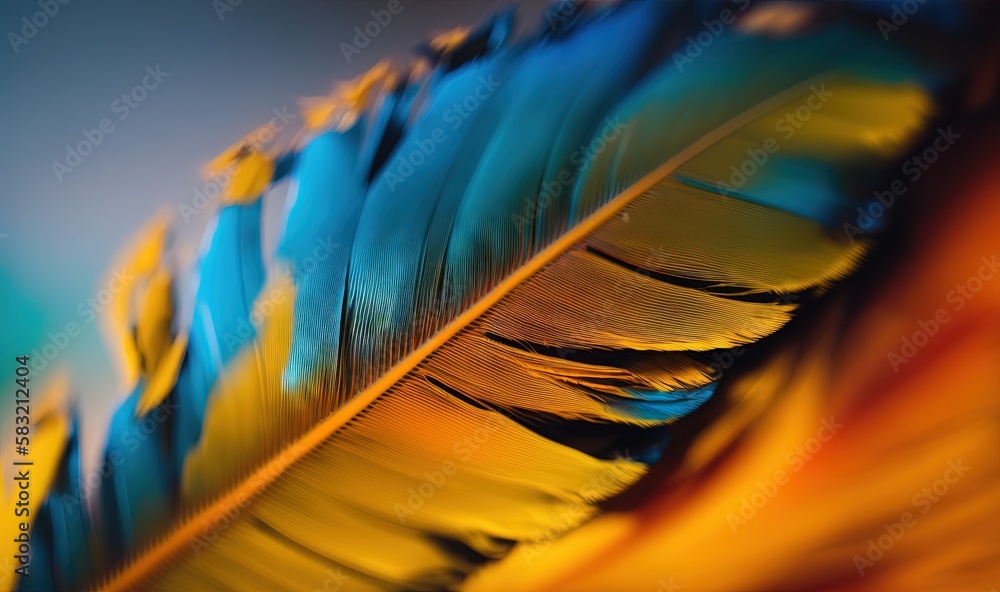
(231, 274)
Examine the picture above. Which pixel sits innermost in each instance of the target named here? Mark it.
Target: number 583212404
(23, 411)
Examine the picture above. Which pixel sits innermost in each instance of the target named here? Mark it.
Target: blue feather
(134, 497)
(231, 274)
(60, 557)
(326, 200)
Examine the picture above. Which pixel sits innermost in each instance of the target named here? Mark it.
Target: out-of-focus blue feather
(60, 551)
(231, 274)
(482, 40)
(386, 129)
(134, 498)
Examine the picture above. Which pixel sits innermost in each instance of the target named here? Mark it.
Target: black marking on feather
(739, 293)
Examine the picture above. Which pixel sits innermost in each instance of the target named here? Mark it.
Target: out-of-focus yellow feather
(447, 41)
(144, 257)
(155, 316)
(251, 177)
(253, 141)
(48, 434)
(345, 103)
(163, 377)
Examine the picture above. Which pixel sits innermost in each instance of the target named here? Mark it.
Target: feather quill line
(258, 481)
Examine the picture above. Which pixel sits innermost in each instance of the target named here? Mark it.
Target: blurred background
(225, 67)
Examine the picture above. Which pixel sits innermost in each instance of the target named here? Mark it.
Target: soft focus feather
(506, 303)
(52, 443)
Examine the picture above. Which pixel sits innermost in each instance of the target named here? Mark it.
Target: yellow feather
(729, 242)
(447, 42)
(252, 176)
(163, 377)
(155, 317)
(348, 100)
(49, 431)
(145, 251)
(252, 141)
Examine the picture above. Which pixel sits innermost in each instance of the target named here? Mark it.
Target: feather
(453, 49)
(133, 499)
(530, 269)
(325, 203)
(32, 478)
(466, 354)
(140, 259)
(63, 529)
(231, 273)
(821, 449)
